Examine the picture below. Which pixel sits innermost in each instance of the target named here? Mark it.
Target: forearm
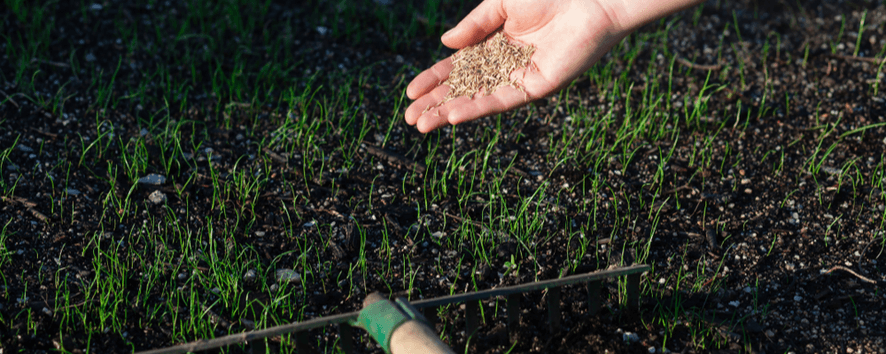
(630, 15)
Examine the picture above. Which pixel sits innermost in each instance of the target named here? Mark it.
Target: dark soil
(759, 218)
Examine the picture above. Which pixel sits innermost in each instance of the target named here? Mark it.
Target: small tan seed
(486, 67)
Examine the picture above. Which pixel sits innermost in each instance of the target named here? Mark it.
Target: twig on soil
(692, 65)
(51, 135)
(11, 100)
(395, 158)
(863, 278)
(48, 62)
(28, 205)
(498, 233)
(856, 58)
(274, 156)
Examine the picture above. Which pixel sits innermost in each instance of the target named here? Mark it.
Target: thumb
(482, 21)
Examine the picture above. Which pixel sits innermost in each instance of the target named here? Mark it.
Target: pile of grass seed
(486, 67)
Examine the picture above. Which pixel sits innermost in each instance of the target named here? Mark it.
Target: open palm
(570, 35)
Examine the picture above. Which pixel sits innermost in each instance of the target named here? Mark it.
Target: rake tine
(553, 299)
(302, 342)
(633, 291)
(346, 338)
(513, 314)
(472, 321)
(430, 314)
(594, 297)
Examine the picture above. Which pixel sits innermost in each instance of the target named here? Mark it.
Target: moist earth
(763, 220)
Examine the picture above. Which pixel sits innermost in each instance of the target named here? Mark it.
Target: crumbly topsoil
(487, 66)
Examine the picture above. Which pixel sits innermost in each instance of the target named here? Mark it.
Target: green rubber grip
(383, 317)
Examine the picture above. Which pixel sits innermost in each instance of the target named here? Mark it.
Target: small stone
(153, 179)
(260, 233)
(72, 191)
(652, 350)
(96, 7)
(47, 311)
(630, 337)
(24, 148)
(249, 276)
(157, 197)
(288, 276)
(438, 234)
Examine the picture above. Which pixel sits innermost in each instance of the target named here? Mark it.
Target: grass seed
(487, 66)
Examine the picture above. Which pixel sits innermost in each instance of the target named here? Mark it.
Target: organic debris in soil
(487, 66)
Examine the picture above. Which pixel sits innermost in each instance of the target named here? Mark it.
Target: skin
(570, 36)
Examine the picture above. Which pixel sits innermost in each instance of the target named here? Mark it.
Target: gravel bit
(153, 179)
(157, 197)
(287, 276)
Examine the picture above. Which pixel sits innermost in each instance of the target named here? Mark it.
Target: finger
(424, 104)
(503, 99)
(483, 20)
(438, 117)
(429, 79)
(432, 120)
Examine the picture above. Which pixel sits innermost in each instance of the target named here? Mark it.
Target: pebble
(24, 148)
(287, 276)
(153, 179)
(157, 197)
(72, 191)
(249, 276)
(630, 337)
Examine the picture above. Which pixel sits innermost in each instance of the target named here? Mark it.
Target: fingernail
(448, 32)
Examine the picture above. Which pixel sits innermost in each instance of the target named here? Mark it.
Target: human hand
(569, 36)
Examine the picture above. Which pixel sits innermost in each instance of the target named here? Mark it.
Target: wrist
(629, 15)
